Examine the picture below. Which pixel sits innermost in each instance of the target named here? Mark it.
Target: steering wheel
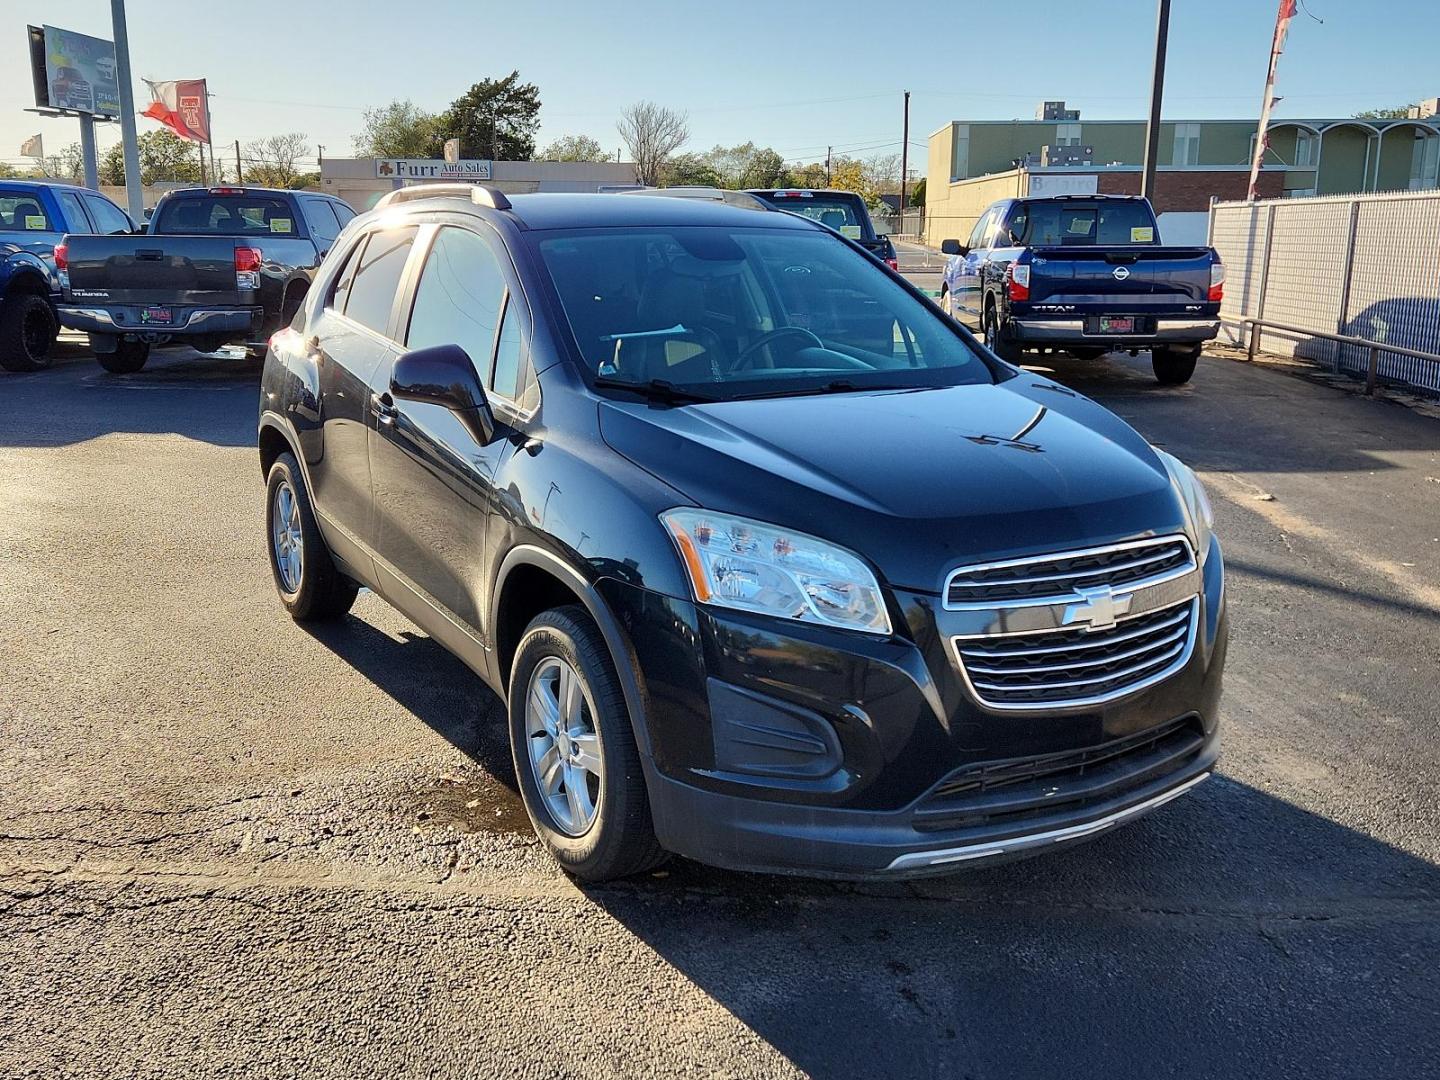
(747, 354)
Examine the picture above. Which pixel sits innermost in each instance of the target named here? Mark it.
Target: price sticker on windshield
(280, 224)
(34, 223)
(1142, 235)
(852, 231)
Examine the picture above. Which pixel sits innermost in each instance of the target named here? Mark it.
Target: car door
(433, 481)
(350, 341)
(968, 299)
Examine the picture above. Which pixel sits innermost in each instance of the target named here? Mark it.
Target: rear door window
(23, 213)
(371, 294)
(227, 215)
(76, 219)
(320, 218)
(1077, 223)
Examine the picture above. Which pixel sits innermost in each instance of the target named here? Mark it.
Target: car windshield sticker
(852, 231)
(1140, 235)
(280, 224)
(34, 222)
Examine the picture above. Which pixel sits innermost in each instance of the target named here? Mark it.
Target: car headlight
(1197, 504)
(737, 563)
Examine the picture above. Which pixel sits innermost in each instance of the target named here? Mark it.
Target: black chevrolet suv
(774, 564)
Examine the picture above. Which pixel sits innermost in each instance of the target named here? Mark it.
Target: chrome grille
(1116, 565)
(1080, 666)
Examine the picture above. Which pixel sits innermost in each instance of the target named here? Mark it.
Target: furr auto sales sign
(431, 169)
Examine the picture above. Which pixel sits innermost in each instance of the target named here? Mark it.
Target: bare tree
(652, 133)
(272, 160)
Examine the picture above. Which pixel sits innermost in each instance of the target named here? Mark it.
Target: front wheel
(575, 756)
(128, 357)
(996, 340)
(27, 332)
(1172, 366)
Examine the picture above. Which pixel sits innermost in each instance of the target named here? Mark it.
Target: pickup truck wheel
(128, 357)
(575, 756)
(1173, 366)
(996, 340)
(27, 332)
(310, 585)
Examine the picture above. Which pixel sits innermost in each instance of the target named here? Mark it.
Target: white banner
(431, 169)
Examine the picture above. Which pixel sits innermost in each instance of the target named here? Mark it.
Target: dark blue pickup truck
(1084, 274)
(33, 218)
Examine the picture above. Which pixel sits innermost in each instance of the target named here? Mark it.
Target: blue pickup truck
(33, 218)
(1084, 274)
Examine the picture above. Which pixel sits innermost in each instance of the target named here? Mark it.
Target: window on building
(1067, 134)
(1187, 145)
(1304, 149)
(1424, 161)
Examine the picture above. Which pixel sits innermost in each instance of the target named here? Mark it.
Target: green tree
(68, 164)
(811, 175)
(275, 161)
(916, 196)
(1397, 112)
(8, 172)
(163, 156)
(765, 169)
(574, 148)
(399, 130)
(690, 170)
(495, 118)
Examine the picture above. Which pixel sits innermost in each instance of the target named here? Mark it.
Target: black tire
(27, 332)
(321, 591)
(620, 841)
(947, 302)
(999, 342)
(1173, 367)
(128, 357)
(1091, 353)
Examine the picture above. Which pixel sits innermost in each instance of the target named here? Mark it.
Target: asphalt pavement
(231, 846)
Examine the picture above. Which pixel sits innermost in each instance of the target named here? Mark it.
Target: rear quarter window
(22, 212)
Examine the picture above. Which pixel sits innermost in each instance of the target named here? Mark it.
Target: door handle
(384, 406)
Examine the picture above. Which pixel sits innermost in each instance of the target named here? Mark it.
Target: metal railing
(1254, 328)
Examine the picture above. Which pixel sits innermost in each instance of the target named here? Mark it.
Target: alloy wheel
(287, 537)
(563, 745)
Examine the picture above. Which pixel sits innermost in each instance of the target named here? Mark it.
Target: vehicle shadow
(1231, 933)
(208, 398)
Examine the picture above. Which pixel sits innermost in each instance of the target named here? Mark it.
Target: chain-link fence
(1365, 266)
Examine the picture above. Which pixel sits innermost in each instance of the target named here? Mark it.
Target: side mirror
(443, 375)
(953, 247)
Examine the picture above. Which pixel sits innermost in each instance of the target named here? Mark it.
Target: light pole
(134, 197)
(1157, 91)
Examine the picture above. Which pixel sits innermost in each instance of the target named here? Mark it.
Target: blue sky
(793, 75)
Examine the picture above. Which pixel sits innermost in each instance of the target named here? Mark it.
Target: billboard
(74, 72)
(431, 169)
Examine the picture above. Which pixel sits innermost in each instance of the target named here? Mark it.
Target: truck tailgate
(153, 269)
(1115, 278)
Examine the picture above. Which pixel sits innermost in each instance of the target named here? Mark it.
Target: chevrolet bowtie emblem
(1098, 608)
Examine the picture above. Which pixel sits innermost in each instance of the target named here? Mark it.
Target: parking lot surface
(232, 845)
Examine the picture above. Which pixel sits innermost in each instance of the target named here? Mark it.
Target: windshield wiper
(655, 389)
(835, 386)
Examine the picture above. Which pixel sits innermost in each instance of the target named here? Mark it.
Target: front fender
(22, 265)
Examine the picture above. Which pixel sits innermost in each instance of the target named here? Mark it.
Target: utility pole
(904, 160)
(134, 196)
(827, 166)
(87, 150)
(239, 173)
(201, 147)
(1157, 91)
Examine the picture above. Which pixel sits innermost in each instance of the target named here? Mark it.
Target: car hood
(915, 481)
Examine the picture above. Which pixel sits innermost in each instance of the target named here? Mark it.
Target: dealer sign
(431, 169)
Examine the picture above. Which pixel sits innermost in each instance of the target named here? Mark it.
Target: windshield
(226, 215)
(843, 213)
(1066, 222)
(736, 312)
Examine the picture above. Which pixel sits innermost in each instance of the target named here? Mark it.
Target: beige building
(361, 181)
(971, 160)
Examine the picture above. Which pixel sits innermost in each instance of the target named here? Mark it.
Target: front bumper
(799, 750)
(189, 322)
(1063, 332)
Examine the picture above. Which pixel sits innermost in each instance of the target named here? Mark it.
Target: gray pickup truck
(216, 266)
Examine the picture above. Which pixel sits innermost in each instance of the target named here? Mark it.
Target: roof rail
(479, 194)
(742, 199)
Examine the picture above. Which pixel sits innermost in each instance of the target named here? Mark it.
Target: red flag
(183, 106)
